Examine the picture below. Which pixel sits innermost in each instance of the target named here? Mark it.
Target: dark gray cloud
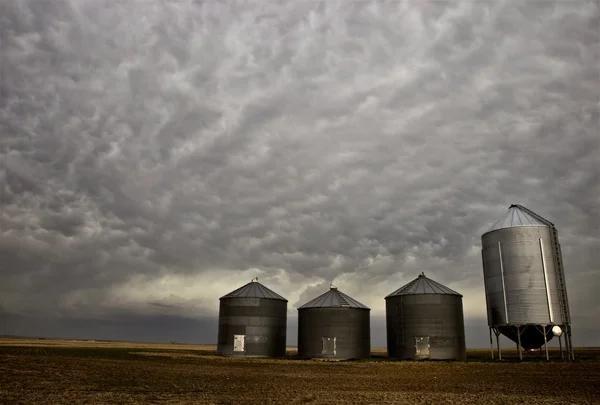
(158, 154)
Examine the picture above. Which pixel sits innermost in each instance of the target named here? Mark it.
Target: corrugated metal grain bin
(524, 282)
(334, 325)
(424, 320)
(252, 322)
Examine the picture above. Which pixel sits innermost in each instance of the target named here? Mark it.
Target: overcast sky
(157, 154)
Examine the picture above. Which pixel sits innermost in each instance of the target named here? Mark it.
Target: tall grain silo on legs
(252, 322)
(334, 325)
(525, 288)
(424, 320)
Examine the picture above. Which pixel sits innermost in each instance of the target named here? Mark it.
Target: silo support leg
(569, 343)
(491, 344)
(497, 333)
(562, 356)
(519, 343)
(546, 343)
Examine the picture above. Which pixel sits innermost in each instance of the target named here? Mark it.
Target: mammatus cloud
(158, 154)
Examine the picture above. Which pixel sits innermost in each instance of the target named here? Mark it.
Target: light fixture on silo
(557, 331)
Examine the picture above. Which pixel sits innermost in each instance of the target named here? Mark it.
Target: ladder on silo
(560, 278)
(562, 290)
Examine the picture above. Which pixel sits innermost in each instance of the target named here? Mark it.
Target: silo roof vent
(423, 285)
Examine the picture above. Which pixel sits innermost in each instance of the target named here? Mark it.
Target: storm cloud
(157, 154)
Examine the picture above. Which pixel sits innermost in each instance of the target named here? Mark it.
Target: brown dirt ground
(68, 372)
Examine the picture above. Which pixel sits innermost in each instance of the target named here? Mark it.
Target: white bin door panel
(239, 343)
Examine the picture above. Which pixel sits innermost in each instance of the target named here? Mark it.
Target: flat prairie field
(84, 372)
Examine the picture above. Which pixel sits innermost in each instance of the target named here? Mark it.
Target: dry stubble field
(66, 372)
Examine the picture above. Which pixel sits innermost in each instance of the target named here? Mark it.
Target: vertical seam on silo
(485, 289)
(550, 312)
(503, 283)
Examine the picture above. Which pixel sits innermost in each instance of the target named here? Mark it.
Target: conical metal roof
(333, 299)
(517, 215)
(254, 289)
(423, 285)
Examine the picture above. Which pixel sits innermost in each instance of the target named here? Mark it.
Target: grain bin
(524, 280)
(334, 325)
(424, 320)
(252, 322)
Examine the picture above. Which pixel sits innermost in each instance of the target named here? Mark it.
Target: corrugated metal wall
(334, 333)
(421, 326)
(513, 265)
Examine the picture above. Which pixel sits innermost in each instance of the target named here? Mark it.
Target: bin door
(422, 347)
(329, 345)
(239, 343)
